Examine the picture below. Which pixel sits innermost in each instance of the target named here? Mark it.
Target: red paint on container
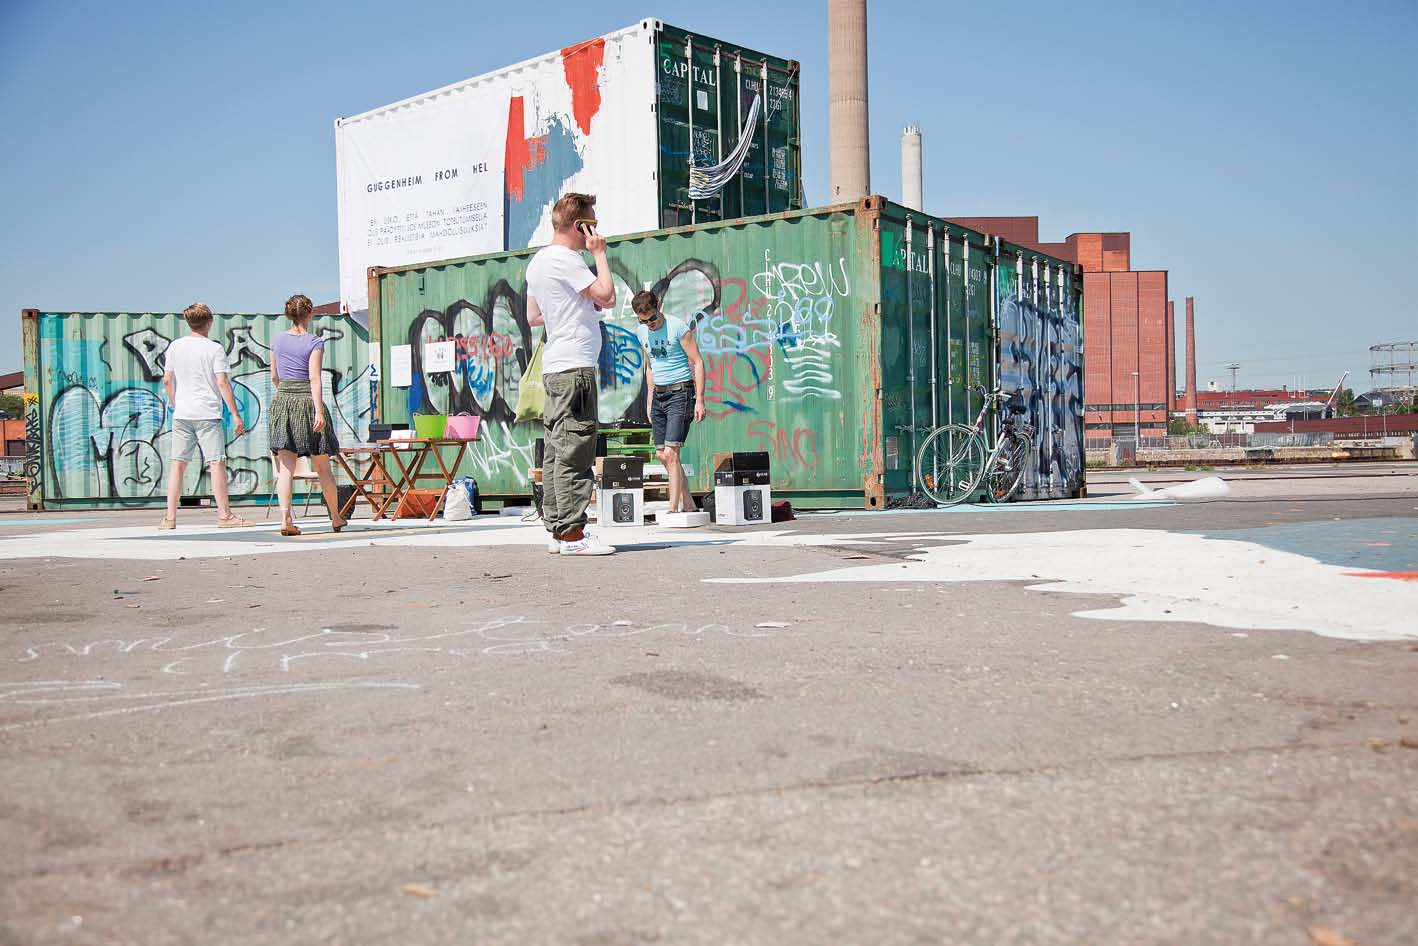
(523, 153)
(582, 64)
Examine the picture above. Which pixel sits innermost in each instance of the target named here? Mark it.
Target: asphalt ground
(444, 735)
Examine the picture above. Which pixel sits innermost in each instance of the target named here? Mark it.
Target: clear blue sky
(1266, 153)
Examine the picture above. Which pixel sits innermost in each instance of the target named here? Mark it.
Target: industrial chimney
(849, 161)
(912, 187)
(1191, 363)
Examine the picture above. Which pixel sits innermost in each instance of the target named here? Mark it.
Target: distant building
(12, 383)
(1372, 402)
(1240, 412)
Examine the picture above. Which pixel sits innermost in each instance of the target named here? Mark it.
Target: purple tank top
(292, 353)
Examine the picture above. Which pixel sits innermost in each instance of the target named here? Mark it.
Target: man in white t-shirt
(564, 295)
(195, 378)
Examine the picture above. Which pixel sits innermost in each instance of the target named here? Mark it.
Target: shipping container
(97, 421)
(475, 167)
(833, 338)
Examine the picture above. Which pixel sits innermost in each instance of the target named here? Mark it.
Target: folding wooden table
(370, 478)
(410, 458)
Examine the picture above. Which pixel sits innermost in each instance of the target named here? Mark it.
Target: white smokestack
(849, 160)
(912, 185)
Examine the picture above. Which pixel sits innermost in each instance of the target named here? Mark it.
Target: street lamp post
(1136, 411)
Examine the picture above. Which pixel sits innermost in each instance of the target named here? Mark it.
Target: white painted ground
(1160, 576)
(206, 541)
(1167, 576)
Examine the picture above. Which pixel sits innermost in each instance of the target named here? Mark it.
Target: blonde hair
(298, 308)
(570, 208)
(197, 315)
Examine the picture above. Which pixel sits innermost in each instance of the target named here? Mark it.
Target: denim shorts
(671, 414)
(188, 435)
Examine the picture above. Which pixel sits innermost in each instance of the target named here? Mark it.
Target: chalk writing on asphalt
(262, 648)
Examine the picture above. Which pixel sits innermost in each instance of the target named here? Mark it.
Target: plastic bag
(470, 486)
(456, 504)
(531, 395)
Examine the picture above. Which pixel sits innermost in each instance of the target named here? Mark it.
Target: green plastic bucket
(430, 426)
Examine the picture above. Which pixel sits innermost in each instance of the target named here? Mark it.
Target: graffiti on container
(494, 342)
(109, 438)
(801, 298)
(730, 377)
(1040, 360)
(491, 350)
(786, 445)
(498, 449)
(148, 346)
(622, 361)
(762, 334)
(34, 457)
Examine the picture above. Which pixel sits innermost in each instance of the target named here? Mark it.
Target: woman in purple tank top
(300, 423)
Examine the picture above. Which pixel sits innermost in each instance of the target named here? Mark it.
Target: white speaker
(742, 505)
(620, 507)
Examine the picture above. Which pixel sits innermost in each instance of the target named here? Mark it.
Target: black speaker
(623, 509)
(752, 504)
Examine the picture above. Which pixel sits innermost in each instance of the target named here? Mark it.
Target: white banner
(419, 183)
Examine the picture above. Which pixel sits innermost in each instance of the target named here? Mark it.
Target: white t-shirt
(194, 362)
(555, 278)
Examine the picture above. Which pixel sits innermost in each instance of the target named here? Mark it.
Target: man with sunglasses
(674, 376)
(564, 295)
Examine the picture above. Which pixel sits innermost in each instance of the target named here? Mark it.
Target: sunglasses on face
(650, 319)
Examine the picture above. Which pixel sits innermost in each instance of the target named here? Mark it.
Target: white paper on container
(401, 366)
(438, 357)
(579, 119)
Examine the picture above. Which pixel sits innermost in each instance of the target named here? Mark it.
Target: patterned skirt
(292, 422)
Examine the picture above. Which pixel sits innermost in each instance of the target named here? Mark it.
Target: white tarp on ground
(578, 119)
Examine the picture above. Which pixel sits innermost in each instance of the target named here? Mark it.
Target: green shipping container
(710, 104)
(97, 422)
(833, 339)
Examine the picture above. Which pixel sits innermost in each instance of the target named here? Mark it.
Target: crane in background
(1333, 396)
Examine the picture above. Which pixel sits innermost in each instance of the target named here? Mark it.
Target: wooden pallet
(630, 442)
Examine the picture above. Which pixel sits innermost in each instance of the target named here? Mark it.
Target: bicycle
(955, 459)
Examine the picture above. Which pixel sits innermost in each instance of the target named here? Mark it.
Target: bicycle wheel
(951, 464)
(1008, 472)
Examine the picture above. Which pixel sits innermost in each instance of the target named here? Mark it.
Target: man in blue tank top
(674, 377)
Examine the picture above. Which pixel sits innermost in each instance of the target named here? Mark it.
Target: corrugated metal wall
(805, 316)
(940, 269)
(788, 337)
(101, 423)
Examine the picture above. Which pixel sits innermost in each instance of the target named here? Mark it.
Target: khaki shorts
(189, 435)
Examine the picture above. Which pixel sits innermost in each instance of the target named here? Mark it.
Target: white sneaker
(554, 546)
(588, 544)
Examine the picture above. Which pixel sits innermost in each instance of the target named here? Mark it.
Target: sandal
(290, 530)
(337, 526)
(232, 521)
(167, 523)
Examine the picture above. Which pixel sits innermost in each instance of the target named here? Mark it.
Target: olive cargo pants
(569, 417)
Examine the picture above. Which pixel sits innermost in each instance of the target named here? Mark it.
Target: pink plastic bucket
(462, 427)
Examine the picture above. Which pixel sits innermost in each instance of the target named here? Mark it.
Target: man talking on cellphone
(564, 295)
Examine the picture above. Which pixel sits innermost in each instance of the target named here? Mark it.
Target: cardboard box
(620, 472)
(742, 505)
(741, 469)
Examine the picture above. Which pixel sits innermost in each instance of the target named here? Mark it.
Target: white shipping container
(475, 167)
